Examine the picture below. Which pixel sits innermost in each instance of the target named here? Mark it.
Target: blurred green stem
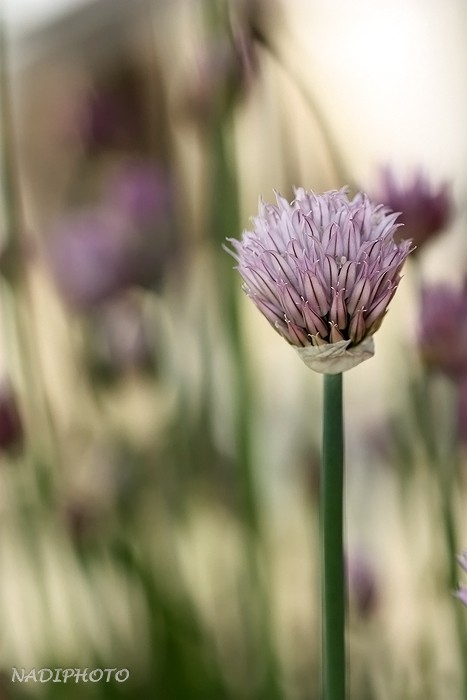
(443, 459)
(337, 163)
(224, 222)
(332, 541)
(446, 473)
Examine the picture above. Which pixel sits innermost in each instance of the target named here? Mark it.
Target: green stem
(443, 457)
(332, 541)
(225, 222)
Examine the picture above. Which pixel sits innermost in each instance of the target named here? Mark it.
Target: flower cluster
(425, 209)
(323, 269)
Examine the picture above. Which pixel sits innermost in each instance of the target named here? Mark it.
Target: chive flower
(426, 208)
(322, 269)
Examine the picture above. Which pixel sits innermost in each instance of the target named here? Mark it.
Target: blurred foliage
(160, 463)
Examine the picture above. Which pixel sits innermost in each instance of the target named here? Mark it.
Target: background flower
(127, 239)
(323, 268)
(425, 208)
(140, 190)
(362, 583)
(88, 254)
(442, 335)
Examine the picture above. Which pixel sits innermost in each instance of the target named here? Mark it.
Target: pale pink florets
(323, 268)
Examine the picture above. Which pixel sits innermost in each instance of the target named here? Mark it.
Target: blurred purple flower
(361, 582)
(11, 426)
(128, 240)
(88, 254)
(323, 270)
(442, 335)
(425, 209)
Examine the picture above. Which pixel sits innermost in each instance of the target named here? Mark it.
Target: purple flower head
(323, 269)
(442, 335)
(425, 209)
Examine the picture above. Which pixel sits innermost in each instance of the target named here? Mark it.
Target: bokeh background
(159, 471)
